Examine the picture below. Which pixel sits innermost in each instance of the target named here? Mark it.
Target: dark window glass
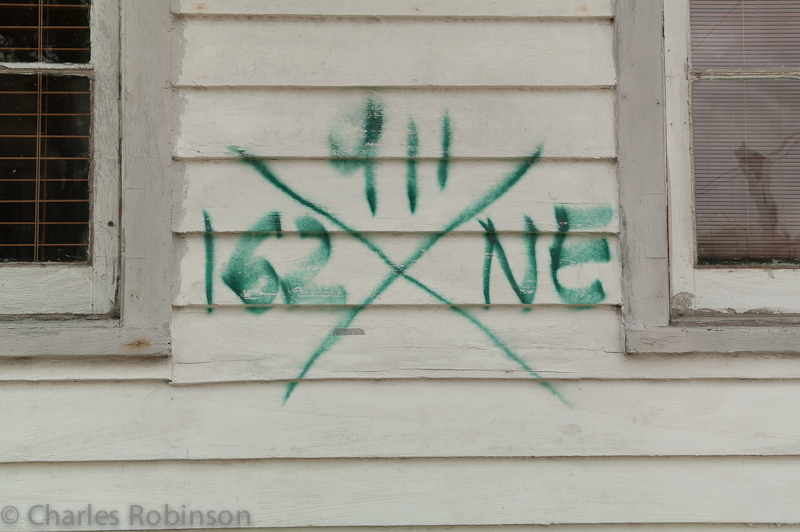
(44, 167)
(48, 31)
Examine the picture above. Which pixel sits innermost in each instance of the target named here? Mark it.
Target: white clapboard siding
(391, 52)
(410, 418)
(453, 267)
(558, 343)
(80, 369)
(402, 8)
(484, 123)
(235, 345)
(355, 492)
(235, 195)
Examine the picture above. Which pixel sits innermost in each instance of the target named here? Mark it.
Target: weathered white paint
(55, 339)
(430, 492)
(411, 418)
(428, 341)
(68, 289)
(679, 153)
(641, 170)
(461, 434)
(83, 289)
(86, 369)
(404, 8)
(236, 196)
(759, 290)
(433, 342)
(453, 267)
(485, 123)
(124, 129)
(403, 53)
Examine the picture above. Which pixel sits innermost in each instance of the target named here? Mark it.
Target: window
(734, 184)
(689, 245)
(59, 161)
(114, 297)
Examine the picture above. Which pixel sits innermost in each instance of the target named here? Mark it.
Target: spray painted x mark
(400, 270)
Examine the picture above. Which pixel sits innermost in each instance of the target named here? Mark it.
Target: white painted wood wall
(421, 421)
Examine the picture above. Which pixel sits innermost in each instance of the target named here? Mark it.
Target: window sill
(703, 337)
(101, 338)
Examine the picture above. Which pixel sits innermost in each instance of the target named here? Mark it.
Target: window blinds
(746, 130)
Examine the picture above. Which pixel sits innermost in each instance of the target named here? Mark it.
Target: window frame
(81, 288)
(654, 320)
(707, 290)
(137, 309)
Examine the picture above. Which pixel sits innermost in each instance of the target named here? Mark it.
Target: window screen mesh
(45, 127)
(746, 132)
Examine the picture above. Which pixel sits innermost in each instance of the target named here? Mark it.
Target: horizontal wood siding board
(78, 369)
(430, 418)
(406, 8)
(233, 344)
(454, 268)
(73, 341)
(235, 196)
(428, 492)
(558, 343)
(483, 123)
(374, 52)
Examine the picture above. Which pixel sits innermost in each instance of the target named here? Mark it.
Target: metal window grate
(45, 128)
(746, 130)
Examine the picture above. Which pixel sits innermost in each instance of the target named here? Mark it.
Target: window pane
(745, 33)
(746, 141)
(44, 168)
(49, 31)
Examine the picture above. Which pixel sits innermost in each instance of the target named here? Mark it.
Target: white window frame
(120, 304)
(707, 290)
(662, 290)
(84, 289)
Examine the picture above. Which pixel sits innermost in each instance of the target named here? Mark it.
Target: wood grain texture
(83, 341)
(85, 369)
(642, 163)
(46, 289)
(679, 153)
(485, 123)
(404, 53)
(411, 418)
(149, 122)
(430, 491)
(403, 8)
(234, 345)
(739, 290)
(235, 196)
(714, 339)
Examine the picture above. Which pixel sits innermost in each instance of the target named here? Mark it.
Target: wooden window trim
(133, 319)
(643, 174)
(81, 289)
